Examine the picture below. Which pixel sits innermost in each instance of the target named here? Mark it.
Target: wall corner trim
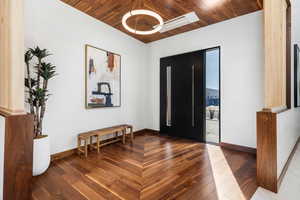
(238, 148)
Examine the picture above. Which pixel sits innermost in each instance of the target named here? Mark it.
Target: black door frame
(204, 71)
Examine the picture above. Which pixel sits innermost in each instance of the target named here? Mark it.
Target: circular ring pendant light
(142, 12)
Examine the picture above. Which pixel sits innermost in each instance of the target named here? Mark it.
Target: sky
(212, 69)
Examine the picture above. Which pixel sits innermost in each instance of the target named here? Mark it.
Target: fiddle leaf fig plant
(39, 72)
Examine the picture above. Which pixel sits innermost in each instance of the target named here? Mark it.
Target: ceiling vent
(179, 22)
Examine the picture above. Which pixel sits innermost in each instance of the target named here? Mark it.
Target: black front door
(182, 88)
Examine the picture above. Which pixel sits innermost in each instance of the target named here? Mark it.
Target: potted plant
(37, 77)
(211, 110)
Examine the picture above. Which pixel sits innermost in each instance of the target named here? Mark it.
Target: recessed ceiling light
(142, 12)
(212, 4)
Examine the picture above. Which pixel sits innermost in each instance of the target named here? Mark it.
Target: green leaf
(39, 96)
(47, 71)
(39, 53)
(33, 82)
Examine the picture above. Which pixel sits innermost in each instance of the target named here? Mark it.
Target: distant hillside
(212, 93)
(212, 97)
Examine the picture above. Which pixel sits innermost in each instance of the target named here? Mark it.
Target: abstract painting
(103, 78)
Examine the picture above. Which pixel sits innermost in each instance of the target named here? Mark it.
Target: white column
(275, 53)
(12, 56)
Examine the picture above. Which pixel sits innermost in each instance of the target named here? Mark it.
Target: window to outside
(213, 95)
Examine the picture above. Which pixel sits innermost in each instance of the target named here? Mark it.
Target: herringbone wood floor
(153, 167)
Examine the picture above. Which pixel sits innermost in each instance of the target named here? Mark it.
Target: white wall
(241, 41)
(64, 31)
(296, 21)
(2, 138)
(288, 126)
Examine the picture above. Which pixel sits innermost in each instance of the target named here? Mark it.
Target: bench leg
(78, 146)
(91, 143)
(86, 148)
(98, 144)
(131, 134)
(124, 135)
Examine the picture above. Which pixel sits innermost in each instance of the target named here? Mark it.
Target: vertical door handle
(169, 97)
(193, 96)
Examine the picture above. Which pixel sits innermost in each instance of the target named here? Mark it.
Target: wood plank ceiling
(209, 12)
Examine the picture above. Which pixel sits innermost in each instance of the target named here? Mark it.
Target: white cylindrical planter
(41, 155)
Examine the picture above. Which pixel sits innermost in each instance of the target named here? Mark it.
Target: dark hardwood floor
(153, 167)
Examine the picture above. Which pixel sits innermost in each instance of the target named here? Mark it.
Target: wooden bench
(96, 134)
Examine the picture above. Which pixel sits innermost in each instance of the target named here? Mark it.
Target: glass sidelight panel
(212, 95)
(169, 97)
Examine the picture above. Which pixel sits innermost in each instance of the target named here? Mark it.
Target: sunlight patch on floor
(226, 184)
